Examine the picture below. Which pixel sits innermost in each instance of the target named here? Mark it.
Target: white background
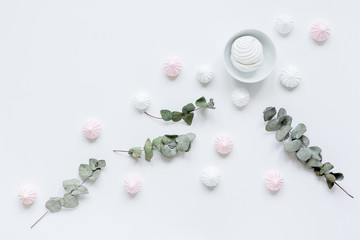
(63, 62)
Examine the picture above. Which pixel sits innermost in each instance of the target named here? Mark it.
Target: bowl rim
(249, 32)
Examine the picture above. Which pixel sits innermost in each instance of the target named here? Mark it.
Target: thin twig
(40, 219)
(152, 115)
(343, 190)
(120, 151)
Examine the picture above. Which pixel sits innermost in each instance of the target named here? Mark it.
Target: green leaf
(330, 177)
(53, 205)
(272, 125)
(325, 168)
(176, 116)
(80, 190)
(269, 113)
(183, 143)
(168, 152)
(58, 199)
(188, 118)
(330, 184)
(70, 184)
(169, 140)
(285, 120)
(211, 104)
(101, 164)
(166, 115)
(85, 171)
(293, 146)
(304, 154)
(298, 131)
(191, 136)
(148, 148)
(201, 102)
(135, 152)
(283, 133)
(95, 175)
(93, 163)
(338, 176)
(316, 153)
(70, 201)
(305, 141)
(157, 142)
(281, 113)
(311, 163)
(188, 108)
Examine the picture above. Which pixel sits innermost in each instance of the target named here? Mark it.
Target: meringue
(284, 25)
(142, 101)
(240, 97)
(210, 177)
(92, 129)
(205, 75)
(274, 181)
(320, 31)
(172, 67)
(27, 195)
(290, 77)
(132, 184)
(223, 144)
(247, 54)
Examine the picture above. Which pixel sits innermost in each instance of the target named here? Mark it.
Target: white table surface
(63, 62)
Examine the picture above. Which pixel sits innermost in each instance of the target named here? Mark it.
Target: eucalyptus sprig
(168, 146)
(74, 187)
(187, 112)
(298, 143)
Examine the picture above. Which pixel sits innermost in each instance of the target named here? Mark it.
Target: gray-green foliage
(74, 188)
(187, 112)
(168, 146)
(299, 144)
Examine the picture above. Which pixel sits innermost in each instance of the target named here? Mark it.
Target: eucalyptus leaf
(70, 201)
(166, 115)
(293, 146)
(135, 152)
(201, 102)
(272, 125)
(211, 104)
(101, 164)
(93, 163)
(80, 190)
(325, 168)
(285, 120)
(70, 184)
(191, 136)
(311, 163)
(316, 153)
(298, 131)
(188, 108)
(148, 148)
(330, 177)
(58, 199)
(157, 142)
(269, 113)
(169, 139)
(95, 175)
(338, 176)
(188, 118)
(283, 133)
(330, 184)
(176, 116)
(281, 113)
(305, 141)
(304, 154)
(183, 143)
(85, 171)
(168, 152)
(53, 206)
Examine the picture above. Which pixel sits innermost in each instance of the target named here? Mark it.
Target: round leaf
(272, 125)
(304, 154)
(188, 108)
(53, 206)
(166, 115)
(283, 133)
(188, 118)
(176, 116)
(269, 113)
(70, 201)
(293, 146)
(85, 171)
(298, 131)
(201, 102)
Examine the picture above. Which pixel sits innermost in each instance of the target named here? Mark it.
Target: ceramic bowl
(265, 68)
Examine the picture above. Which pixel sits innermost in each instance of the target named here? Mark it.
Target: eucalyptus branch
(299, 144)
(187, 112)
(167, 145)
(74, 188)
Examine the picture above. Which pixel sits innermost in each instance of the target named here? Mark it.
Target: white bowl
(265, 68)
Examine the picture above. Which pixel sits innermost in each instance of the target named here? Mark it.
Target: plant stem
(121, 151)
(40, 218)
(182, 114)
(343, 190)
